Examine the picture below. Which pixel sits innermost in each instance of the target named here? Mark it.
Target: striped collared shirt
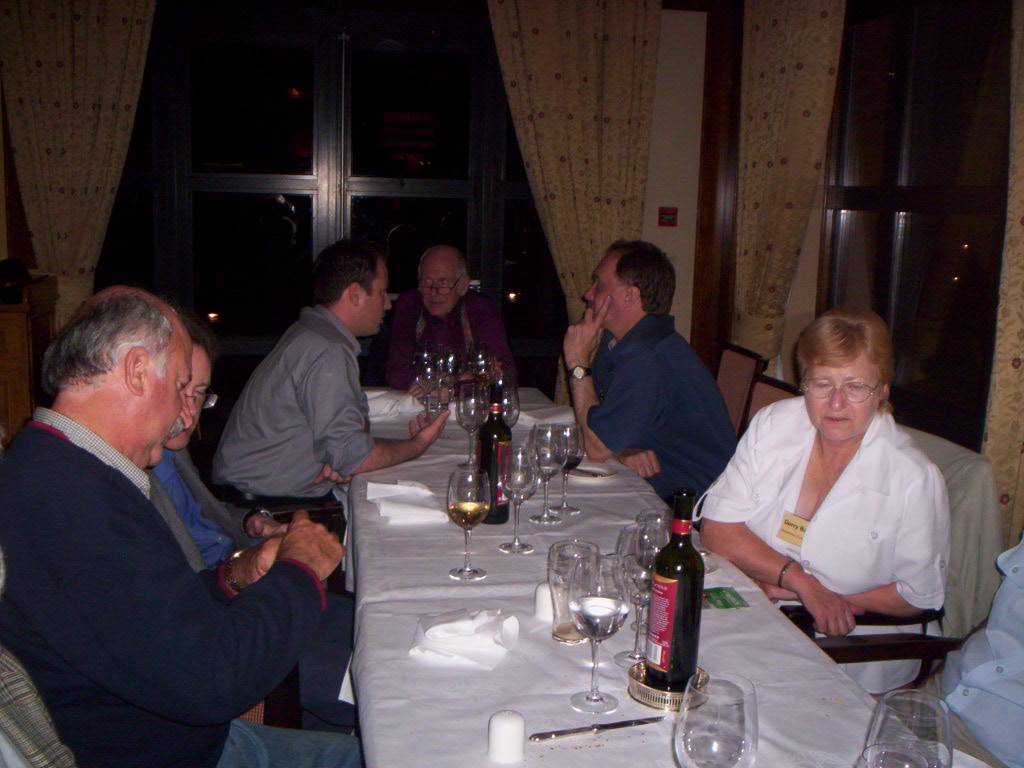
(89, 441)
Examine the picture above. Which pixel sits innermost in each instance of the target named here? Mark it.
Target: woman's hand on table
(774, 593)
(833, 614)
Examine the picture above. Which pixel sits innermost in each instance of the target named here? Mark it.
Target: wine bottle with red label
(677, 587)
(495, 438)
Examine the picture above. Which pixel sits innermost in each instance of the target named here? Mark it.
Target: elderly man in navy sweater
(141, 660)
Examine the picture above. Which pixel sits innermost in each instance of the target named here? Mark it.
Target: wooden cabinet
(25, 330)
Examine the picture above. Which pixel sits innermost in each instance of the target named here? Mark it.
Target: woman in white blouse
(829, 503)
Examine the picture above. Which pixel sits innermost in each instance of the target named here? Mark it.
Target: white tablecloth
(811, 714)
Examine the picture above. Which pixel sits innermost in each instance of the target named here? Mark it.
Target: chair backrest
(768, 390)
(737, 369)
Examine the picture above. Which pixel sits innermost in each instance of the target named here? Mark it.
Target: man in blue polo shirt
(639, 391)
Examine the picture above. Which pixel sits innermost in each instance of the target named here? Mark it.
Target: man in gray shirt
(302, 420)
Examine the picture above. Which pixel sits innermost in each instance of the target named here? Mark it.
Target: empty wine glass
(428, 376)
(718, 725)
(573, 457)
(550, 450)
(638, 546)
(509, 402)
(471, 412)
(520, 478)
(891, 756)
(597, 602)
(915, 720)
(469, 498)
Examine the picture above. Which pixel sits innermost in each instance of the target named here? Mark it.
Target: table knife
(595, 728)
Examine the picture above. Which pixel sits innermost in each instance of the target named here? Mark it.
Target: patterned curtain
(579, 76)
(790, 57)
(1004, 427)
(72, 70)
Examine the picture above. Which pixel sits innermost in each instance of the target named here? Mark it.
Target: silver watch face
(579, 372)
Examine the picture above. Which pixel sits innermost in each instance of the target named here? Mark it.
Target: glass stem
(466, 566)
(595, 695)
(472, 446)
(636, 641)
(545, 512)
(515, 521)
(565, 482)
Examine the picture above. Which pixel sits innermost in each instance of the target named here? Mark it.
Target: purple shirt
(484, 323)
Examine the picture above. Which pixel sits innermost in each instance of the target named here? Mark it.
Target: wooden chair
(768, 390)
(737, 369)
(890, 646)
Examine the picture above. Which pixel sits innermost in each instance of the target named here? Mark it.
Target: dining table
(811, 714)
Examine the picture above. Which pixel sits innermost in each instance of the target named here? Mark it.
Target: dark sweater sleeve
(105, 587)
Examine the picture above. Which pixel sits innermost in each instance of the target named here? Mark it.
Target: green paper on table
(723, 597)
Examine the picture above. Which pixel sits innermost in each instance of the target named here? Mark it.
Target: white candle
(542, 608)
(506, 736)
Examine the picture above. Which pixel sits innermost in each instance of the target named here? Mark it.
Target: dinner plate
(593, 473)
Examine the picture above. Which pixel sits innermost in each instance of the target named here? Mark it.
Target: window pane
(867, 118)
(855, 254)
(958, 122)
(127, 255)
(515, 170)
(252, 109)
(406, 227)
(942, 330)
(252, 260)
(410, 115)
(533, 304)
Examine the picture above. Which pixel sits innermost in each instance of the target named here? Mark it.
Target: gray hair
(461, 269)
(99, 337)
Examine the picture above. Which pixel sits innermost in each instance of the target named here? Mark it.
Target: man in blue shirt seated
(639, 391)
(208, 531)
(983, 682)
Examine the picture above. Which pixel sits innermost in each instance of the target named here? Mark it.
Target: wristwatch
(579, 372)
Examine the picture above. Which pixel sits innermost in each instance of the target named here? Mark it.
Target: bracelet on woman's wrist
(229, 571)
(782, 572)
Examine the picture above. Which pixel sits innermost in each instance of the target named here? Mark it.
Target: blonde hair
(841, 335)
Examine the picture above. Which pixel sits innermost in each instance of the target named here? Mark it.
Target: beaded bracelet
(789, 562)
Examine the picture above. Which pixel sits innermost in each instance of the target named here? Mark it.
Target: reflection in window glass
(533, 304)
(958, 118)
(856, 252)
(406, 227)
(252, 109)
(252, 262)
(410, 115)
(949, 281)
(870, 92)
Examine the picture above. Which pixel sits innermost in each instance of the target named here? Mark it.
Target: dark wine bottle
(495, 438)
(677, 590)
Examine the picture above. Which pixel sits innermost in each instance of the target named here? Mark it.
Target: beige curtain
(1004, 428)
(71, 76)
(790, 58)
(580, 82)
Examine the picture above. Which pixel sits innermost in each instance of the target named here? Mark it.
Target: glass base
(515, 548)
(626, 660)
(565, 509)
(467, 574)
(710, 566)
(601, 704)
(546, 519)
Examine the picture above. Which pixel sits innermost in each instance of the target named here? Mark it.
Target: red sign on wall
(668, 217)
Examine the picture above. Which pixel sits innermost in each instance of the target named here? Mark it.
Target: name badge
(792, 529)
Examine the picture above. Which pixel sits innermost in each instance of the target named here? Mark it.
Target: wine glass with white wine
(469, 498)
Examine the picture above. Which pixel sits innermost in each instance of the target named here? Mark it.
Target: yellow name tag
(793, 529)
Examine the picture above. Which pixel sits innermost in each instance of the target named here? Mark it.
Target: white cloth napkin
(470, 640)
(556, 414)
(391, 402)
(406, 503)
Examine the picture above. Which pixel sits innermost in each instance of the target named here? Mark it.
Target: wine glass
(891, 756)
(597, 603)
(509, 402)
(718, 725)
(478, 363)
(638, 550)
(469, 498)
(573, 457)
(915, 720)
(519, 478)
(428, 376)
(562, 557)
(471, 412)
(550, 450)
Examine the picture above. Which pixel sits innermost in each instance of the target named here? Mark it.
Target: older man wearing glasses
(442, 312)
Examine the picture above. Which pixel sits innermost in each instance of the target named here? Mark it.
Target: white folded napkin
(556, 414)
(391, 402)
(406, 503)
(470, 640)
